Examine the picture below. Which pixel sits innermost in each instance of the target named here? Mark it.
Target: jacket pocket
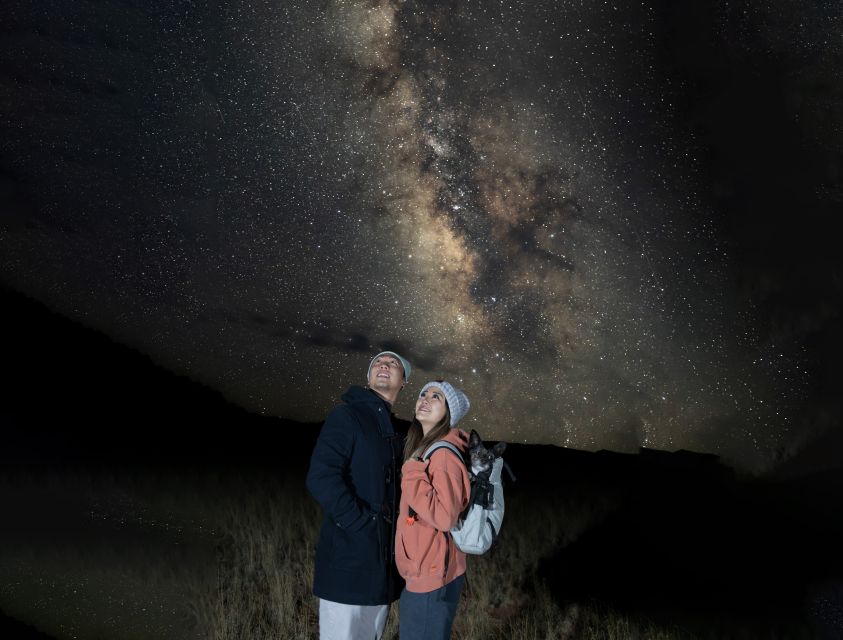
(405, 555)
(356, 549)
(420, 550)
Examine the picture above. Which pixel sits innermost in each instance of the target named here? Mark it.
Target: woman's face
(430, 408)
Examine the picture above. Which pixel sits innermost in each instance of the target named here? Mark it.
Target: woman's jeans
(429, 616)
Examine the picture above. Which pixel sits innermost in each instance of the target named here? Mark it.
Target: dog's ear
(498, 449)
(474, 439)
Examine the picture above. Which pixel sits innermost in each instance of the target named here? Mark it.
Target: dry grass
(266, 569)
(264, 529)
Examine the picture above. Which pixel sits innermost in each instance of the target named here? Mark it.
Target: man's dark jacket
(354, 475)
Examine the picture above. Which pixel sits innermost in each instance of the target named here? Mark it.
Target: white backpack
(480, 524)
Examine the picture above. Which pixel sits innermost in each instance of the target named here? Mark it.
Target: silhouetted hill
(692, 543)
(15, 630)
(72, 393)
(549, 465)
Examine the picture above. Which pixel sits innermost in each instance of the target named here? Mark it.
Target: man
(353, 474)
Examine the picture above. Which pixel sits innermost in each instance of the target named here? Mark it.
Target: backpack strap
(442, 444)
(439, 444)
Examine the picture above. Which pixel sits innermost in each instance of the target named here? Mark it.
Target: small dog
(481, 459)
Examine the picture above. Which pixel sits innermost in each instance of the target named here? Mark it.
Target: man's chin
(384, 386)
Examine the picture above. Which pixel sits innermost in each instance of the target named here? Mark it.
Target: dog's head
(481, 458)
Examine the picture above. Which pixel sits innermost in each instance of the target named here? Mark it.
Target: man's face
(387, 375)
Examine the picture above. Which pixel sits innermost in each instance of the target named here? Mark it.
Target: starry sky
(611, 224)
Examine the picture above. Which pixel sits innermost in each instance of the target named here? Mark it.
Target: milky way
(261, 196)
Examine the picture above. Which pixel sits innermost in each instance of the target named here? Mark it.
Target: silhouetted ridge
(73, 392)
(15, 630)
(550, 465)
(693, 543)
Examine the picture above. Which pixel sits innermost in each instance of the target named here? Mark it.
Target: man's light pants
(351, 621)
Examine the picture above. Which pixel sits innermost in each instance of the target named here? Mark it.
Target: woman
(433, 494)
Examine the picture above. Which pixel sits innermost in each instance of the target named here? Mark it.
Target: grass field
(229, 556)
(266, 571)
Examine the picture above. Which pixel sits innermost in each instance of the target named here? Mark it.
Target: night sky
(613, 225)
